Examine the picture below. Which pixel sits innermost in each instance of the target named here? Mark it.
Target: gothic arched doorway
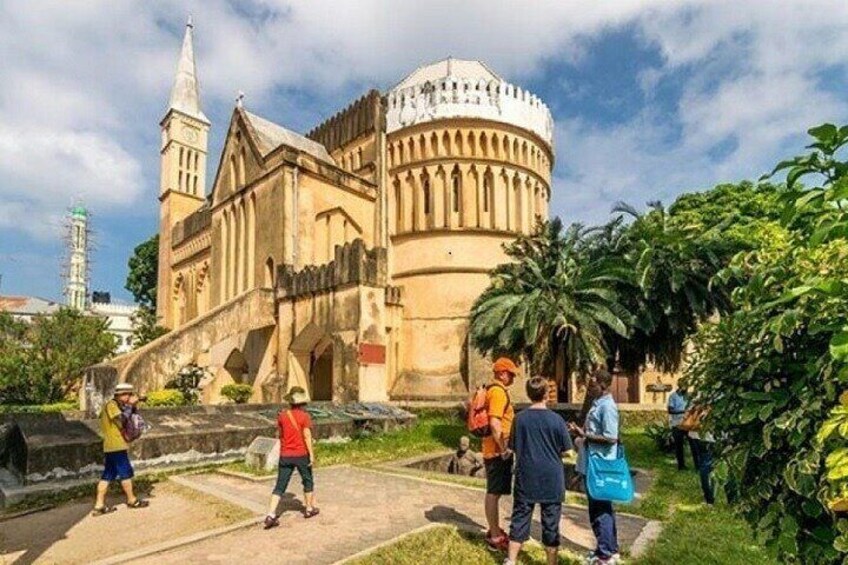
(236, 366)
(321, 371)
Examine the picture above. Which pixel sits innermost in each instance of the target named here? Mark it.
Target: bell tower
(182, 188)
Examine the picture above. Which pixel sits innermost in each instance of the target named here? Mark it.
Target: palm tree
(552, 298)
(673, 266)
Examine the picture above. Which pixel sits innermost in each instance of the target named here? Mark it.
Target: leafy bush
(38, 408)
(661, 435)
(238, 393)
(187, 381)
(771, 371)
(166, 397)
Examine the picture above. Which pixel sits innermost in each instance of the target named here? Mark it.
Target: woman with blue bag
(601, 461)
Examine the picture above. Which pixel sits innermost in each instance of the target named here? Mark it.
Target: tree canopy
(143, 272)
(42, 361)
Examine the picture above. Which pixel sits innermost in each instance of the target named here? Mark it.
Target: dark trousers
(680, 437)
(286, 469)
(602, 518)
(705, 469)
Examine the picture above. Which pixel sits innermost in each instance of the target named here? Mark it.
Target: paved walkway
(360, 508)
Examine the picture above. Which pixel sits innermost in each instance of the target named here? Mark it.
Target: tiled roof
(270, 136)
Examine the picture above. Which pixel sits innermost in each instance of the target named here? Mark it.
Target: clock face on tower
(189, 134)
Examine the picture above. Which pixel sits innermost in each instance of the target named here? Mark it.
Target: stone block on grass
(263, 454)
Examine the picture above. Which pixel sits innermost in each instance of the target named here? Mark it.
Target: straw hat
(123, 388)
(297, 395)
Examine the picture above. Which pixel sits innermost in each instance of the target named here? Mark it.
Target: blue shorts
(117, 467)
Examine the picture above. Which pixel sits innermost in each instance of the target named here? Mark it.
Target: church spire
(185, 94)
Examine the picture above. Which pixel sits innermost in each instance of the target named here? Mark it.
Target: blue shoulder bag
(609, 479)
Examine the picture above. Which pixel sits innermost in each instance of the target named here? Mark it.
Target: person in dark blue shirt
(539, 439)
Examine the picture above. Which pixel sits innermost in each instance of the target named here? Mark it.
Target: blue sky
(650, 98)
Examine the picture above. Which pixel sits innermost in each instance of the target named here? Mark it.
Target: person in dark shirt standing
(540, 438)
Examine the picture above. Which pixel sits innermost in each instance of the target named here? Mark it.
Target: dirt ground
(68, 534)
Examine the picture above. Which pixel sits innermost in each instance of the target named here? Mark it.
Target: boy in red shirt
(295, 453)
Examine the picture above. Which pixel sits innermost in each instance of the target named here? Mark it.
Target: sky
(650, 98)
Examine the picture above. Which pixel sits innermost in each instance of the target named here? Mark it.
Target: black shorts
(522, 513)
(499, 475)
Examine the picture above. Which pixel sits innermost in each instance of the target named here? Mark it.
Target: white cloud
(84, 83)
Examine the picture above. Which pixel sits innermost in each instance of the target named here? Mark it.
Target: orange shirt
(497, 399)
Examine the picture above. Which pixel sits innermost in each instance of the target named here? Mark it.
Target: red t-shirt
(291, 439)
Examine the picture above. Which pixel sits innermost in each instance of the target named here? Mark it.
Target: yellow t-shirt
(110, 428)
(500, 407)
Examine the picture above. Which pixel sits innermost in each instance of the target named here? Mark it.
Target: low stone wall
(49, 447)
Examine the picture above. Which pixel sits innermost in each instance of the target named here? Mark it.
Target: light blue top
(602, 420)
(677, 402)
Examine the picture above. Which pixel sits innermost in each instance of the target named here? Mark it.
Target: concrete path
(360, 508)
(68, 534)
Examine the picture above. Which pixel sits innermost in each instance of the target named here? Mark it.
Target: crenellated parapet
(458, 97)
(362, 117)
(353, 265)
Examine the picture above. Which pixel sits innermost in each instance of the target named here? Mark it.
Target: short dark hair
(537, 389)
(603, 378)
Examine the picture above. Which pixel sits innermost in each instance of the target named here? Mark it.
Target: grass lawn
(446, 544)
(692, 532)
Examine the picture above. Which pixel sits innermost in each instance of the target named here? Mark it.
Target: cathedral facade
(345, 260)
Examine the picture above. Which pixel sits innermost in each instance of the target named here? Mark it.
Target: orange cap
(505, 364)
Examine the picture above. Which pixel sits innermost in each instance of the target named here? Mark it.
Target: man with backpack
(497, 456)
(114, 418)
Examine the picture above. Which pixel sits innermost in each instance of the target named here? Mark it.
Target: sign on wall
(372, 354)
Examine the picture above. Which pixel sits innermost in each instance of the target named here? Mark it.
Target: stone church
(345, 260)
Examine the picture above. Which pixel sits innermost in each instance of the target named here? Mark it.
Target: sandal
(103, 510)
(139, 503)
(311, 513)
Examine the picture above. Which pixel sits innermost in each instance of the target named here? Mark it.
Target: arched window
(233, 177)
(425, 188)
(269, 272)
(487, 190)
(434, 145)
(241, 177)
(422, 147)
(456, 189)
(357, 164)
(411, 150)
(398, 207)
(446, 143)
(182, 157)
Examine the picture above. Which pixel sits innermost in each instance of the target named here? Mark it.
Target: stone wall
(151, 366)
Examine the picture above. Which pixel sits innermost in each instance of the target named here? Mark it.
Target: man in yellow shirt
(117, 464)
(496, 453)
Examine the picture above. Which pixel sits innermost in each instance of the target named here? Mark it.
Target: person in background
(296, 452)
(497, 456)
(600, 435)
(117, 466)
(704, 444)
(465, 461)
(540, 438)
(678, 402)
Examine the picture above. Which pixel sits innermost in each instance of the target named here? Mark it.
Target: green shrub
(661, 434)
(166, 397)
(38, 408)
(772, 370)
(239, 393)
(187, 381)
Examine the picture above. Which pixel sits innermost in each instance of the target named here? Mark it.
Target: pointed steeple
(185, 94)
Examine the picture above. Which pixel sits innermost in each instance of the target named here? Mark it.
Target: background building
(345, 260)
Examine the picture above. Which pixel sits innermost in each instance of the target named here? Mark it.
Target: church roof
(269, 136)
(185, 94)
(450, 67)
